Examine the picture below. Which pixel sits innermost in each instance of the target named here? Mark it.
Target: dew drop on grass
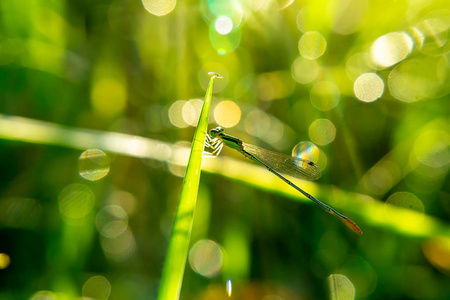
(306, 150)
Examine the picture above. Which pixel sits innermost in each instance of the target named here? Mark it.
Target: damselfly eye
(216, 131)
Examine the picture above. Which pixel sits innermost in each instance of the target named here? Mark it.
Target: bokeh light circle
(159, 7)
(391, 48)
(109, 96)
(304, 70)
(224, 43)
(312, 45)
(97, 287)
(414, 80)
(111, 221)
(4, 260)
(206, 258)
(325, 95)
(368, 87)
(227, 114)
(322, 132)
(120, 247)
(406, 200)
(191, 111)
(176, 114)
(76, 201)
(93, 164)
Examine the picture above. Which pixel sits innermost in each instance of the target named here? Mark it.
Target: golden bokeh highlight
(191, 111)
(304, 70)
(109, 97)
(206, 258)
(97, 287)
(93, 164)
(5, 260)
(75, 202)
(312, 45)
(159, 7)
(368, 87)
(391, 48)
(274, 85)
(227, 114)
(325, 95)
(322, 132)
(341, 288)
(176, 114)
(437, 252)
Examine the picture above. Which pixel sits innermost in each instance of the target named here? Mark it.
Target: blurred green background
(98, 100)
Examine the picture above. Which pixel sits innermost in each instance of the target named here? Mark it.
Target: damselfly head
(216, 131)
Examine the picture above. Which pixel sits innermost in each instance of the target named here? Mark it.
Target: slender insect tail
(349, 223)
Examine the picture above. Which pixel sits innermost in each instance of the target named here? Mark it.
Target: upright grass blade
(174, 265)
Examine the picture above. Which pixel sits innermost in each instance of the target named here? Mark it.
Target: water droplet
(306, 150)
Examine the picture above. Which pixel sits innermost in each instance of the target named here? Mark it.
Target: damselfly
(276, 163)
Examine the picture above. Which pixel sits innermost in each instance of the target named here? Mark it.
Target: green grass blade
(174, 265)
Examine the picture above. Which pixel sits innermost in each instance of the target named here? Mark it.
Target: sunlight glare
(223, 25)
(391, 48)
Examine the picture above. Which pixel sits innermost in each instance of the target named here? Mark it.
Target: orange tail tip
(350, 224)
